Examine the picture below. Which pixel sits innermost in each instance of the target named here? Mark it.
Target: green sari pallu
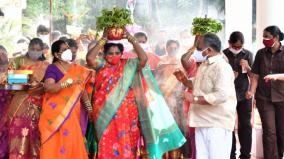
(91, 144)
(160, 131)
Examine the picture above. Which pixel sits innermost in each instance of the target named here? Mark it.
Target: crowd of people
(103, 99)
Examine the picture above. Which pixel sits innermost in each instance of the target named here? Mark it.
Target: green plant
(201, 26)
(117, 17)
(8, 34)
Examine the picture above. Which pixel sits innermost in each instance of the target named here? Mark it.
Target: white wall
(238, 17)
(268, 12)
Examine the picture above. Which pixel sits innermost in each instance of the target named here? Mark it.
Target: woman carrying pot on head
(127, 104)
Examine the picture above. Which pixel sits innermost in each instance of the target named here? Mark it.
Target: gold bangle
(101, 45)
(64, 85)
(131, 39)
(88, 105)
(102, 42)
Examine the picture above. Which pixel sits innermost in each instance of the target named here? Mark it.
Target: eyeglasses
(113, 53)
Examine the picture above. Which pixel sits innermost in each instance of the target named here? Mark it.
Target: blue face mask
(198, 56)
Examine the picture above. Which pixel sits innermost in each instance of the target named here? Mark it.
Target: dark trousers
(272, 118)
(244, 109)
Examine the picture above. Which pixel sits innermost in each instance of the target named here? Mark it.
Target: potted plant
(201, 26)
(114, 22)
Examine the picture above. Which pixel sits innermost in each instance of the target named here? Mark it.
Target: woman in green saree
(127, 104)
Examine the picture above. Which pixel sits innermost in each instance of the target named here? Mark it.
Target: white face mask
(145, 47)
(198, 56)
(66, 55)
(23, 53)
(34, 55)
(44, 38)
(234, 51)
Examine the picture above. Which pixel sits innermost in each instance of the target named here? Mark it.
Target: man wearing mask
(213, 100)
(43, 33)
(240, 60)
(73, 46)
(190, 61)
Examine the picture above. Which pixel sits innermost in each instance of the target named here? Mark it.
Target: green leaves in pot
(201, 26)
(117, 17)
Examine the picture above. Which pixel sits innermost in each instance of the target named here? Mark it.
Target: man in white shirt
(213, 102)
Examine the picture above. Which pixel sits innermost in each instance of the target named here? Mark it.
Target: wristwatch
(195, 98)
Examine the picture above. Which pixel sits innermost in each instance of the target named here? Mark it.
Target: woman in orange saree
(127, 105)
(19, 125)
(65, 83)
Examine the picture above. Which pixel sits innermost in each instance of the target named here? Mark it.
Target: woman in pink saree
(5, 97)
(19, 125)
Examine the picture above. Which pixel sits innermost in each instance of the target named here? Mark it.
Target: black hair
(22, 40)
(140, 34)
(55, 34)
(64, 38)
(3, 48)
(42, 28)
(213, 41)
(236, 36)
(107, 46)
(274, 31)
(36, 41)
(169, 42)
(72, 43)
(1, 13)
(45, 46)
(55, 48)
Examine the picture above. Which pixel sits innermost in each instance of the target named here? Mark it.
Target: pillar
(268, 12)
